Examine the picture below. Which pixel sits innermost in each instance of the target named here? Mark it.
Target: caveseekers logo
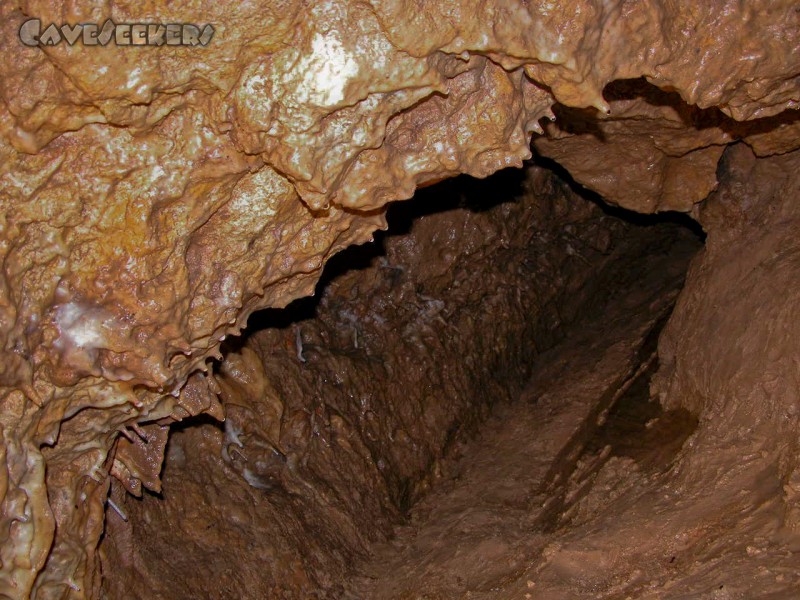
(122, 34)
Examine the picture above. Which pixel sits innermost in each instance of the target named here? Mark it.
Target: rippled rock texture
(153, 198)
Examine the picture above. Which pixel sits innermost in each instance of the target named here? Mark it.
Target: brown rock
(153, 198)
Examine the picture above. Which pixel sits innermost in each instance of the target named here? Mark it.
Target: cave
(348, 410)
(400, 300)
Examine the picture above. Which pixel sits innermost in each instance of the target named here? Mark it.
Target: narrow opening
(466, 377)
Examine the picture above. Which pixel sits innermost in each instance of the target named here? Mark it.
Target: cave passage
(453, 397)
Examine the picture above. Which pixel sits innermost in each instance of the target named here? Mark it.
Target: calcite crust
(153, 198)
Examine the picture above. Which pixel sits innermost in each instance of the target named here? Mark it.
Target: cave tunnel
(364, 425)
(391, 300)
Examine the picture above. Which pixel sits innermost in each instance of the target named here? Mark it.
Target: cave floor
(490, 527)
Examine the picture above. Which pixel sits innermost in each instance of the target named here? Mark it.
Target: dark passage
(444, 402)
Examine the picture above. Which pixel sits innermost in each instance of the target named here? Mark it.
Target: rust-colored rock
(153, 198)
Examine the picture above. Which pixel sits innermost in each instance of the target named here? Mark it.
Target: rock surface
(153, 198)
(339, 410)
(497, 515)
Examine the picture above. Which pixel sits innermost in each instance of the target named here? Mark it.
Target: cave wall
(731, 353)
(154, 198)
(408, 345)
(722, 520)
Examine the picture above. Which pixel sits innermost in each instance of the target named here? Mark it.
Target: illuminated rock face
(153, 198)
